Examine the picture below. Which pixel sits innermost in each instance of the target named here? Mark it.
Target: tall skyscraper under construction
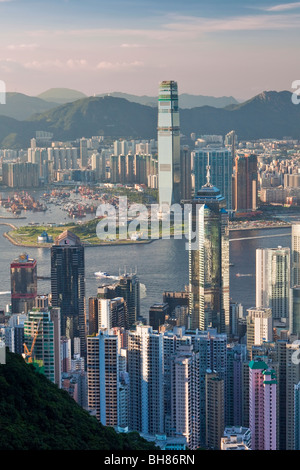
(168, 144)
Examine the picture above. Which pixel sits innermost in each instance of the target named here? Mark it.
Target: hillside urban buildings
(181, 356)
(20, 175)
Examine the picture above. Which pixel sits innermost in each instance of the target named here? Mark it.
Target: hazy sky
(233, 47)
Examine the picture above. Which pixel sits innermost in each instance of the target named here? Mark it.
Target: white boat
(102, 274)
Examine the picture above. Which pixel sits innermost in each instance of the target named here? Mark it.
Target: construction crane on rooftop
(28, 355)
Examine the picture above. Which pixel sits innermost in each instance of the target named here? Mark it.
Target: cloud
(21, 47)
(177, 28)
(44, 64)
(129, 46)
(75, 63)
(239, 23)
(118, 65)
(9, 65)
(58, 64)
(69, 64)
(281, 7)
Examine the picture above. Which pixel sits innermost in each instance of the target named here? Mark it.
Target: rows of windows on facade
(188, 377)
(196, 371)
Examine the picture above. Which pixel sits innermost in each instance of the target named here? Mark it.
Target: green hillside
(20, 106)
(185, 100)
(36, 415)
(98, 116)
(61, 95)
(270, 114)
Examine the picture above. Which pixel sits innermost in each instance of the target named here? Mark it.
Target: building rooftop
(67, 238)
(258, 364)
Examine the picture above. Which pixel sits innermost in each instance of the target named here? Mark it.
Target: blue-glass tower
(209, 260)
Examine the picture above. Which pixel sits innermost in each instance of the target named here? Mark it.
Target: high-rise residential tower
(245, 183)
(295, 255)
(39, 334)
(83, 153)
(273, 280)
(259, 327)
(186, 172)
(185, 397)
(294, 322)
(292, 369)
(297, 416)
(103, 375)
(231, 142)
(262, 405)
(168, 144)
(215, 415)
(145, 368)
(68, 286)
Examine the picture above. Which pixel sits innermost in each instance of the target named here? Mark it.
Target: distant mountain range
(185, 100)
(270, 114)
(20, 106)
(61, 95)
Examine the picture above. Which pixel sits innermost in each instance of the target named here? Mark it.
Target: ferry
(104, 274)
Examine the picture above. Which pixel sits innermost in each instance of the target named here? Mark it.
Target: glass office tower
(221, 168)
(209, 303)
(128, 287)
(168, 144)
(23, 274)
(68, 286)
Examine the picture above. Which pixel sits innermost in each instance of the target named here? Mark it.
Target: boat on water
(101, 274)
(243, 275)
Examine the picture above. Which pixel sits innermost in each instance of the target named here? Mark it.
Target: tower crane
(28, 355)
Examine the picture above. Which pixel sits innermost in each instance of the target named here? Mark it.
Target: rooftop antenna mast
(208, 183)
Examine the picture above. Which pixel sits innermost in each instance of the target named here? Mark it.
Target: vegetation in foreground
(36, 415)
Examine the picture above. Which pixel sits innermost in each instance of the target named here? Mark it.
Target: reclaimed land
(27, 236)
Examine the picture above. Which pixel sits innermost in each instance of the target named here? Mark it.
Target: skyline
(216, 49)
